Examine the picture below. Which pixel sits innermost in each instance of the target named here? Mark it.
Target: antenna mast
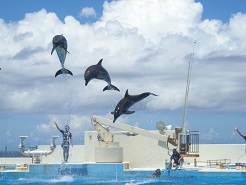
(187, 87)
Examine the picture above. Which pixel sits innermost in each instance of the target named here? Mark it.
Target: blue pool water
(172, 179)
(114, 174)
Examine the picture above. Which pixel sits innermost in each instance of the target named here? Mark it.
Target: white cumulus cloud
(88, 12)
(145, 46)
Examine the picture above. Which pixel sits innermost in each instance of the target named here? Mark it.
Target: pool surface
(114, 174)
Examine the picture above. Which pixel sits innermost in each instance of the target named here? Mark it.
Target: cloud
(26, 52)
(169, 17)
(43, 132)
(211, 136)
(145, 46)
(139, 55)
(88, 12)
(7, 133)
(232, 136)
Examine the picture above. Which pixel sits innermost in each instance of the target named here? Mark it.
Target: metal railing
(211, 163)
(189, 142)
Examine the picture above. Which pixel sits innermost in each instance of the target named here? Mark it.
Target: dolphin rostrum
(60, 45)
(98, 72)
(125, 103)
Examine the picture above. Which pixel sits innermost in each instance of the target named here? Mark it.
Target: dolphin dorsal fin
(100, 62)
(126, 94)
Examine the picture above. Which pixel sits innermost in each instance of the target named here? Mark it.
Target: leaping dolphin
(60, 45)
(98, 72)
(125, 103)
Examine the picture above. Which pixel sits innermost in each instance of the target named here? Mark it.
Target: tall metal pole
(187, 88)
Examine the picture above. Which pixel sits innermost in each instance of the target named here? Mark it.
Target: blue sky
(212, 9)
(62, 8)
(221, 9)
(140, 55)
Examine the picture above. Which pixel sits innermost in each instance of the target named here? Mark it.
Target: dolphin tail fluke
(63, 71)
(111, 87)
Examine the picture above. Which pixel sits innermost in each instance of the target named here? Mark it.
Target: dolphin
(98, 72)
(60, 45)
(125, 103)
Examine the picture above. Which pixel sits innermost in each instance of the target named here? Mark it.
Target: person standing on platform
(67, 140)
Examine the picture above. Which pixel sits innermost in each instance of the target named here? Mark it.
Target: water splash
(60, 179)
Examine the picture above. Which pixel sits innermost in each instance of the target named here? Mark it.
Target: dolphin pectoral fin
(110, 87)
(86, 83)
(63, 71)
(153, 94)
(52, 50)
(129, 112)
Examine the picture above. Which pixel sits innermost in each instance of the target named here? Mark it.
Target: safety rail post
(189, 143)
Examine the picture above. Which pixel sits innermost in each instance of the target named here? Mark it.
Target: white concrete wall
(76, 156)
(234, 152)
(139, 151)
(143, 152)
(14, 161)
